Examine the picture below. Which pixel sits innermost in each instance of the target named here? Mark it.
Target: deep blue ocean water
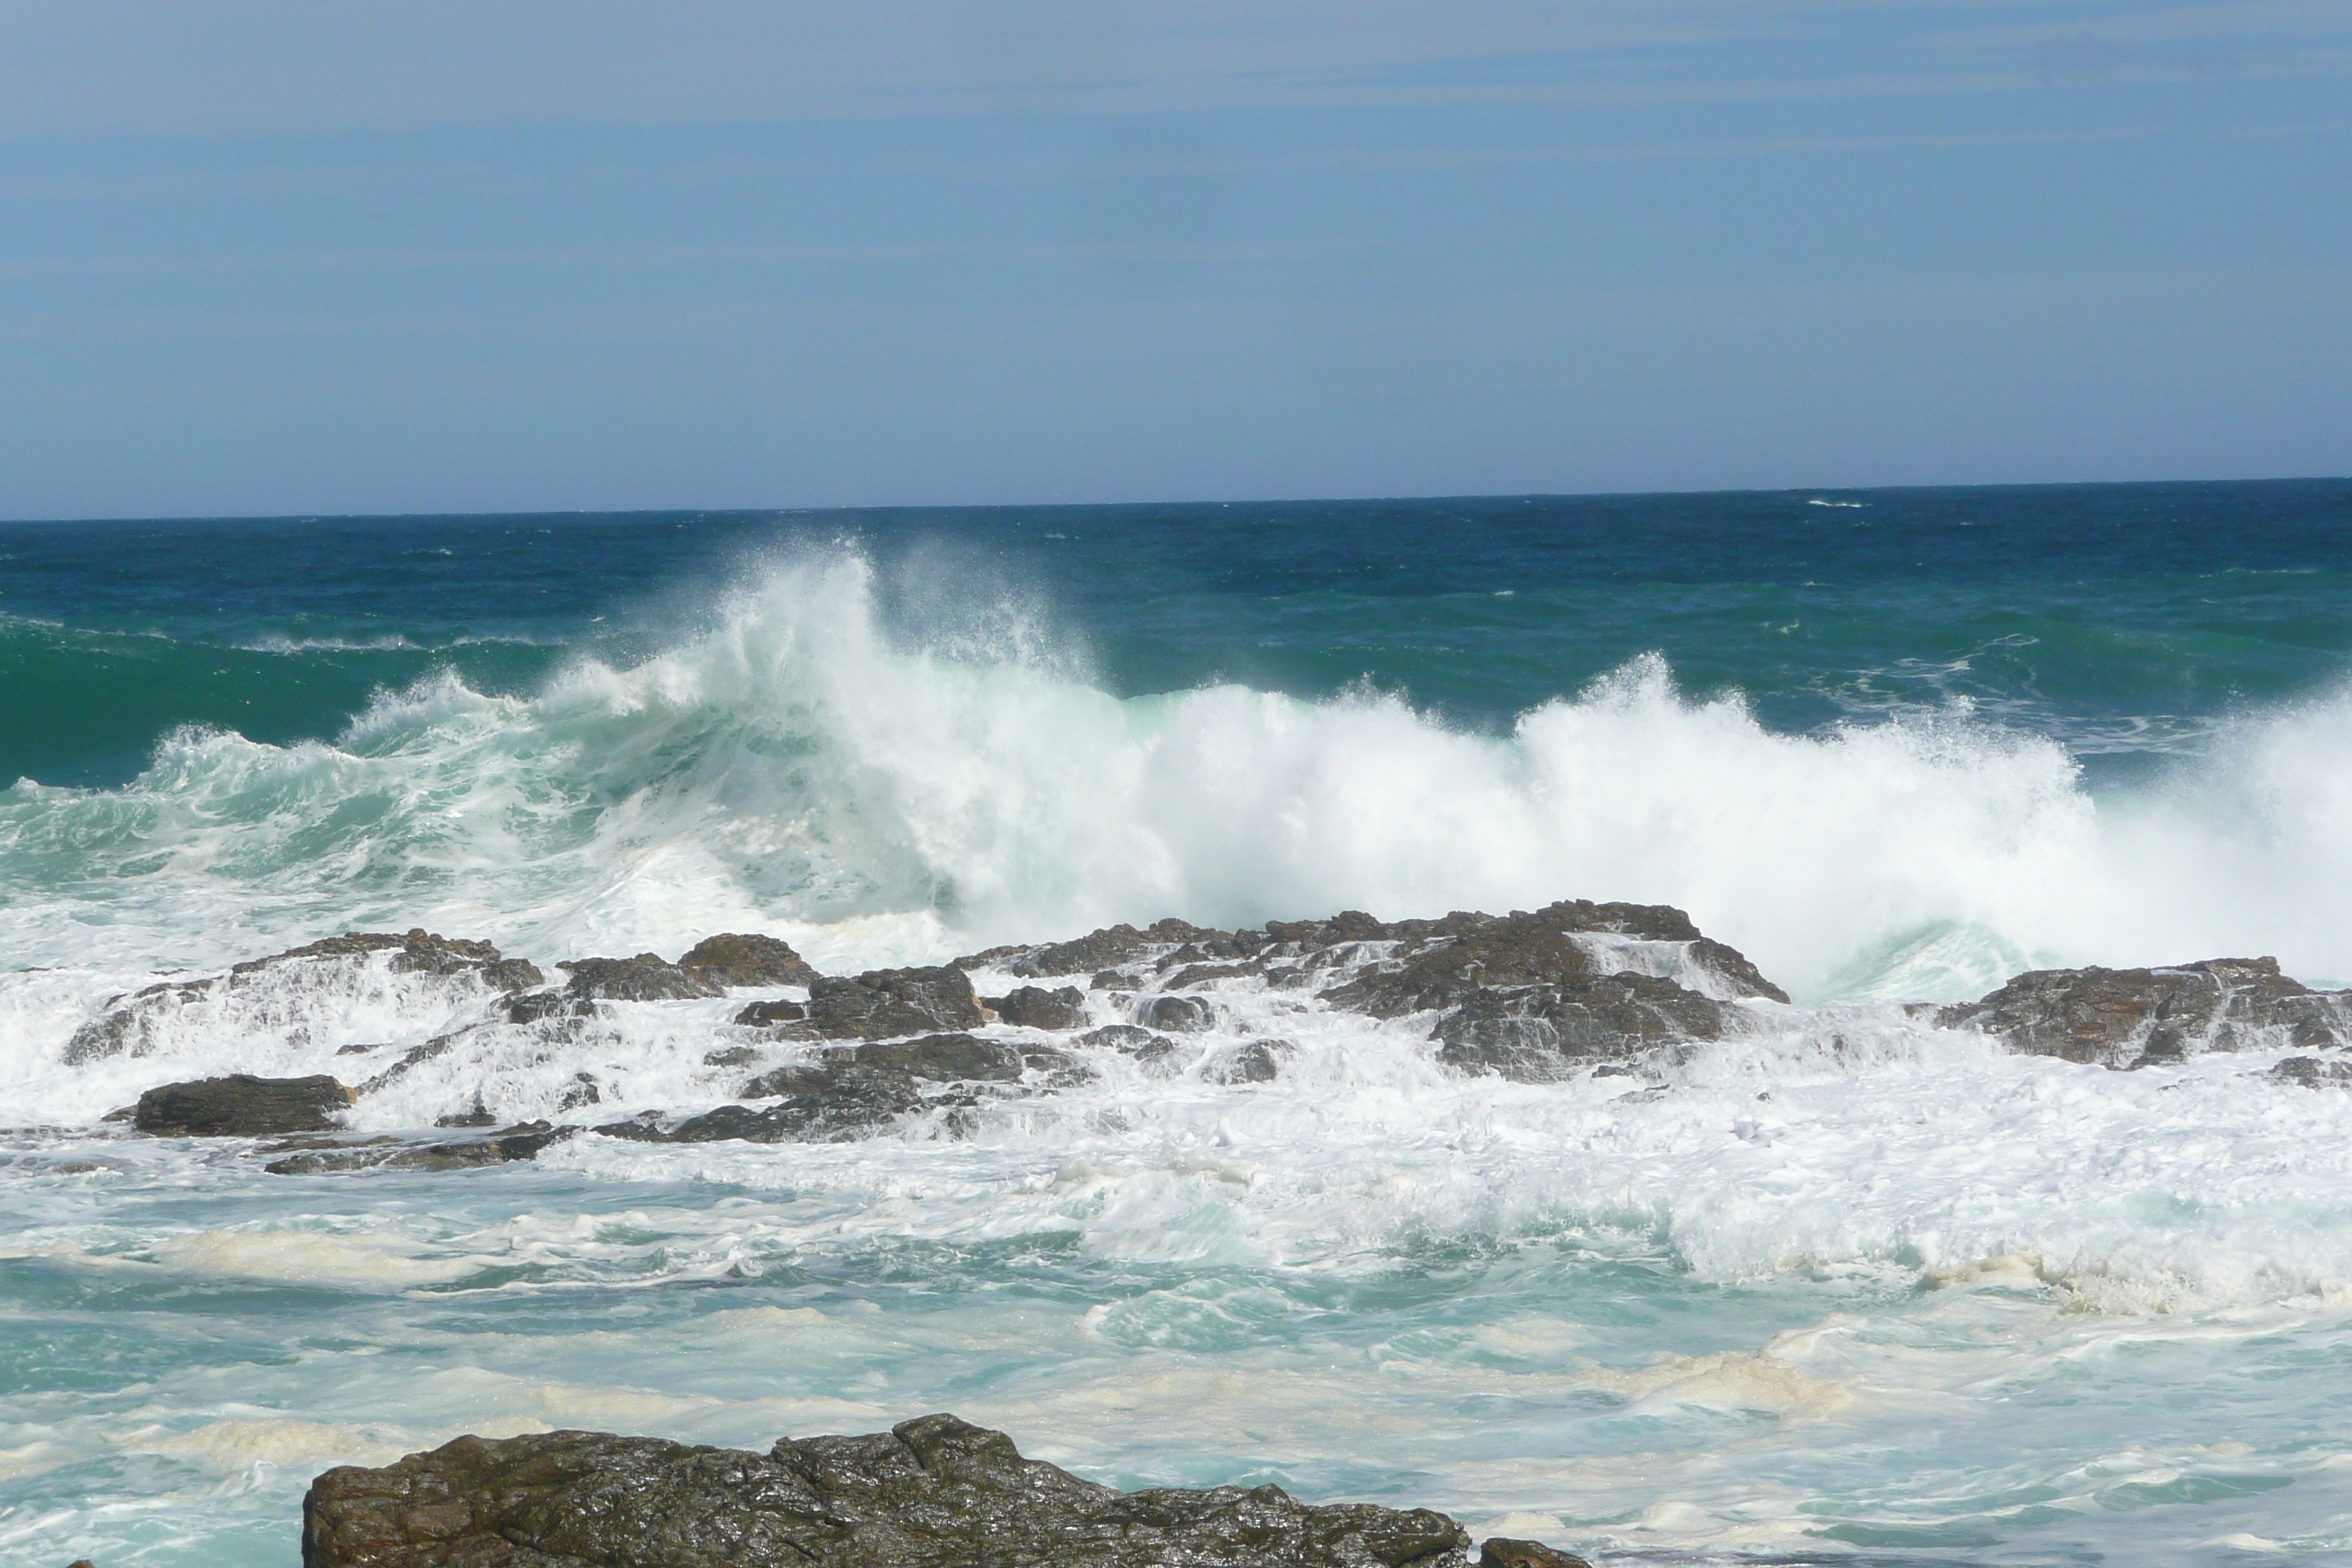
(1855, 1288)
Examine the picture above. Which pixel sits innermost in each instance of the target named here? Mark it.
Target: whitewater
(1847, 1287)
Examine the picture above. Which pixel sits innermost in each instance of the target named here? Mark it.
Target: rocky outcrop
(241, 1106)
(884, 1004)
(736, 959)
(1034, 1007)
(132, 1025)
(523, 1141)
(2141, 1017)
(856, 1092)
(1534, 995)
(1500, 1551)
(648, 977)
(935, 1492)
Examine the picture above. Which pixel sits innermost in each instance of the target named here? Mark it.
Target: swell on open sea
(1852, 1289)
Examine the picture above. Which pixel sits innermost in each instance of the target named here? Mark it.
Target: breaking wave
(797, 767)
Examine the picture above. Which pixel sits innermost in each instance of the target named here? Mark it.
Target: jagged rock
(1500, 1551)
(1540, 1033)
(1259, 1061)
(737, 959)
(128, 1025)
(730, 1057)
(761, 1014)
(522, 1141)
(942, 1059)
(1176, 1014)
(882, 1004)
(2312, 1072)
(648, 977)
(935, 1492)
(1034, 1007)
(418, 951)
(1156, 1054)
(536, 1007)
(241, 1106)
(2139, 1017)
(1096, 951)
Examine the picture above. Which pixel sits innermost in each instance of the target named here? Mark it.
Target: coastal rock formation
(2141, 1017)
(1535, 997)
(735, 959)
(856, 1092)
(648, 977)
(241, 1106)
(1034, 1007)
(935, 1492)
(885, 1004)
(523, 1141)
(136, 1024)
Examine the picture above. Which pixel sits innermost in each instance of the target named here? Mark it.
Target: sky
(266, 258)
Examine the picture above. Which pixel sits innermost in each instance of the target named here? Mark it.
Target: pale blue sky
(283, 258)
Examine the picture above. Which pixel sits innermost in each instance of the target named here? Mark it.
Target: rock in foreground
(2141, 1017)
(241, 1106)
(935, 1492)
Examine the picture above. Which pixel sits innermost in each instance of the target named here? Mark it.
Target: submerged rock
(1500, 1551)
(241, 1106)
(522, 1141)
(1259, 1061)
(2141, 1017)
(133, 1025)
(737, 959)
(1034, 1007)
(935, 1492)
(648, 977)
(2312, 1072)
(883, 1004)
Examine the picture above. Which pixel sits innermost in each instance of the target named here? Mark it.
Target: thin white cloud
(100, 66)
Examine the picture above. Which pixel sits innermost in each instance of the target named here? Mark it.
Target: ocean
(1848, 1288)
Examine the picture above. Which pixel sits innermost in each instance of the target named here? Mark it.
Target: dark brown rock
(736, 959)
(522, 1141)
(1500, 1551)
(1259, 1061)
(883, 1004)
(763, 1015)
(1156, 1054)
(931, 1493)
(1175, 1015)
(2141, 1017)
(127, 1023)
(648, 977)
(2314, 1072)
(241, 1106)
(1034, 1007)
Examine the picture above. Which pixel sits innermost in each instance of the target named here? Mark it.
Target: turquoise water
(1853, 1290)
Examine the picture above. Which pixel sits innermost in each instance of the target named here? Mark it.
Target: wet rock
(2142, 1017)
(883, 1004)
(133, 1025)
(1259, 1061)
(522, 1141)
(1176, 1014)
(1500, 1551)
(731, 1056)
(1111, 948)
(764, 1015)
(537, 1006)
(935, 1492)
(819, 1103)
(1156, 1054)
(1034, 1007)
(735, 959)
(942, 1059)
(1538, 1033)
(2312, 1072)
(241, 1106)
(648, 977)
